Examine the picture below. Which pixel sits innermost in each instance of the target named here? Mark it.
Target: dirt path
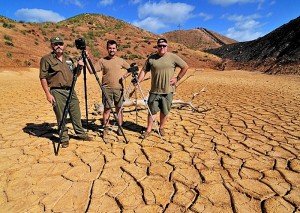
(240, 153)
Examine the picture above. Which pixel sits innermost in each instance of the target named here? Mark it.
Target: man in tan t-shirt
(112, 81)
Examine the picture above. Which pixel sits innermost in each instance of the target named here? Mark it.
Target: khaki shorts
(114, 96)
(160, 102)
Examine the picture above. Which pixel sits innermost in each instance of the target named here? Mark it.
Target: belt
(64, 88)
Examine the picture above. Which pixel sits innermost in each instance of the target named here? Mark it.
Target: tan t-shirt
(162, 70)
(112, 71)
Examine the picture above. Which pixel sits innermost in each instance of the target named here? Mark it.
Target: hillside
(198, 39)
(23, 44)
(275, 53)
(278, 52)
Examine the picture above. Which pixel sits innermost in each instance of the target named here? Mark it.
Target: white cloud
(205, 16)
(151, 24)
(156, 16)
(246, 35)
(74, 2)
(38, 15)
(245, 28)
(230, 2)
(167, 12)
(106, 2)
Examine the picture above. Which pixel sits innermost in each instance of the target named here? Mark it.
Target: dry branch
(99, 108)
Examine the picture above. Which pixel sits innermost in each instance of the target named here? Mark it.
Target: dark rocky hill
(275, 53)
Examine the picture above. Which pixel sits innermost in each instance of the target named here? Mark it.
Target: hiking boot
(145, 135)
(65, 144)
(119, 132)
(86, 137)
(162, 132)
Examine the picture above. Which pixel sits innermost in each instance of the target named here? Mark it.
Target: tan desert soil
(239, 153)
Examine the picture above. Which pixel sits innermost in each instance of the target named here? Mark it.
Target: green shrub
(9, 26)
(9, 43)
(9, 55)
(7, 37)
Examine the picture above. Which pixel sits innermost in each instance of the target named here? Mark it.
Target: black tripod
(67, 106)
(134, 80)
(84, 56)
(62, 123)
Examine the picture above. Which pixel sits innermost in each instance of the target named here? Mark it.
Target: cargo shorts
(114, 96)
(160, 103)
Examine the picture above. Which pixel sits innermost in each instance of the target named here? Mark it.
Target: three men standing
(56, 75)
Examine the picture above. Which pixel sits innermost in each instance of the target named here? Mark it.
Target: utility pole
(179, 26)
(178, 38)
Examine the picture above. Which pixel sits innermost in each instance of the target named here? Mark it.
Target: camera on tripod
(134, 69)
(80, 44)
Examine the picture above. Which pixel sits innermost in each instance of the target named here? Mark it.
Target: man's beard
(58, 50)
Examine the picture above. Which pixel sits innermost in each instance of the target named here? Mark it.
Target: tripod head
(80, 44)
(134, 70)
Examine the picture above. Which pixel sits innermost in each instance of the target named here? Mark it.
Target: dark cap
(56, 39)
(162, 40)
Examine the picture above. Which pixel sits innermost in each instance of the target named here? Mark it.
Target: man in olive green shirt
(162, 66)
(56, 76)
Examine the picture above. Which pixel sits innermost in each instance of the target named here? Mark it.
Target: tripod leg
(62, 123)
(122, 106)
(85, 97)
(103, 90)
(136, 112)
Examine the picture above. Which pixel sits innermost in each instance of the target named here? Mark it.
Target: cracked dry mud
(239, 153)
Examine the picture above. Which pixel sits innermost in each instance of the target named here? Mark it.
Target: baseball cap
(162, 40)
(56, 39)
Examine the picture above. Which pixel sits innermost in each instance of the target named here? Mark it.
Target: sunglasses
(58, 43)
(162, 46)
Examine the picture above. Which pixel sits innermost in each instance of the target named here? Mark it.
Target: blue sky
(242, 20)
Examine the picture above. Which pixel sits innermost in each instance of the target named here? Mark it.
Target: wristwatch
(178, 78)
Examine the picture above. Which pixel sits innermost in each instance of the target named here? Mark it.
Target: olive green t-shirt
(58, 73)
(162, 70)
(112, 71)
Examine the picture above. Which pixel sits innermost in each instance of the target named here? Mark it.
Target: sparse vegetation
(7, 25)
(8, 37)
(9, 55)
(8, 40)
(43, 31)
(134, 43)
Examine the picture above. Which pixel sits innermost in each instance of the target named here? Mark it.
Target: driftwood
(99, 108)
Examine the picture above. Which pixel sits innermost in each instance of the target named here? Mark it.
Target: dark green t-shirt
(162, 70)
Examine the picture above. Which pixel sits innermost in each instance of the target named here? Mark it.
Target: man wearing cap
(56, 76)
(162, 66)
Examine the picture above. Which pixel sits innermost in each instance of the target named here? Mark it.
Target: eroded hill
(23, 44)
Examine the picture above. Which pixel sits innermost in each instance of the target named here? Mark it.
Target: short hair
(111, 42)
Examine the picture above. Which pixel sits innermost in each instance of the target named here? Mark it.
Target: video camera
(80, 44)
(133, 69)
